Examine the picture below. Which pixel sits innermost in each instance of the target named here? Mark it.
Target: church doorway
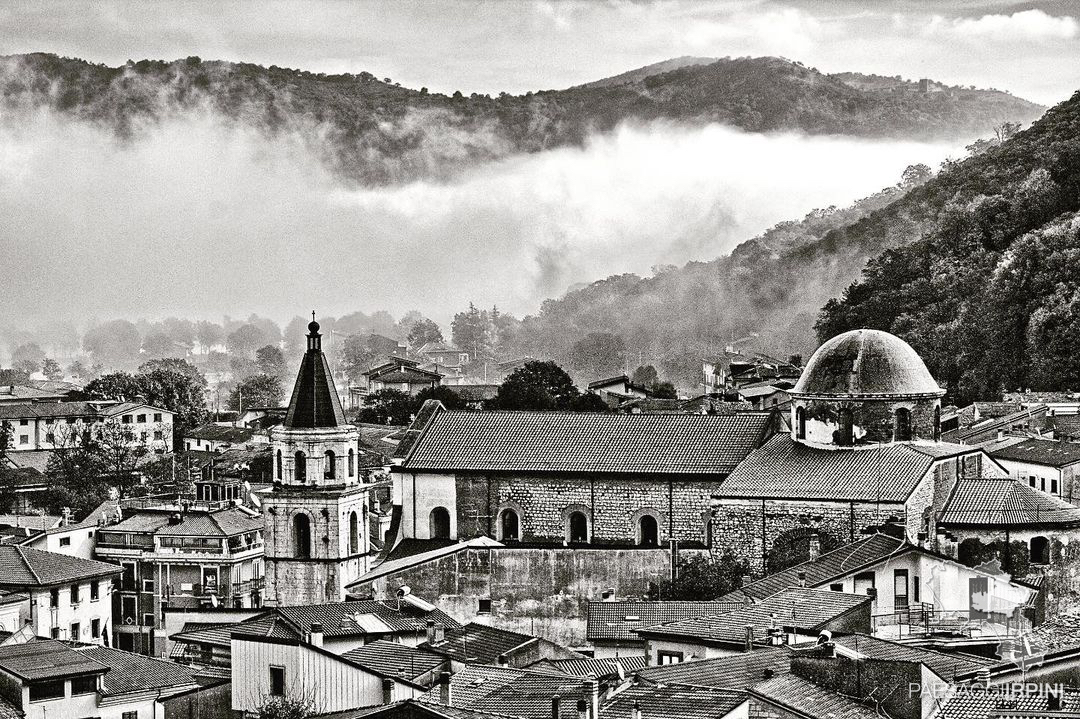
(439, 523)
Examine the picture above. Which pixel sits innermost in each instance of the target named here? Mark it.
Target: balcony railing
(248, 585)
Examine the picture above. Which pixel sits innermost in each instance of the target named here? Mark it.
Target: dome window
(902, 425)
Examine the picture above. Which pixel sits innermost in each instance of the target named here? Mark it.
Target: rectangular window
(1042, 483)
(148, 585)
(55, 632)
(126, 419)
(142, 419)
(130, 715)
(1031, 481)
(125, 641)
(1053, 486)
(148, 620)
(669, 657)
(54, 597)
(95, 591)
(24, 439)
(43, 691)
(900, 588)
(485, 606)
(65, 541)
(71, 420)
(915, 589)
(24, 422)
(95, 628)
(83, 685)
(74, 593)
(277, 681)
(157, 416)
(158, 435)
(75, 629)
(127, 608)
(836, 587)
(50, 438)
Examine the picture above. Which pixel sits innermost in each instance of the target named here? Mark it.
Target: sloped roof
(945, 665)
(738, 671)
(1001, 502)
(863, 363)
(512, 692)
(130, 672)
(976, 704)
(1050, 453)
(46, 410)
(784, 468)
(801, 695)
(406, 375)
(672, 702)
(806, 609)
(829, 566)
(25, 566)
(614, 621)
(396, 660)
(478, 643)
(594, 667)
(586, 442)
(218, 433)
(315, 401)
(346, 618)
(224, 522)
(268, 625)
(47, 659)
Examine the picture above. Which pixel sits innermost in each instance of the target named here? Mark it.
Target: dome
(866, 363)
(313, 327)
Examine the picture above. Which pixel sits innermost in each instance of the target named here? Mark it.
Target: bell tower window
(845, 435)
(902, 425)
(302, 536)
(331, 465)
(800, 423)
(300, 467)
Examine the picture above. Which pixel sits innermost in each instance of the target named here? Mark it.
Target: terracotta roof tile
(792, 692)
(24, 566)
(739, 671)
(1003, 502)
(477, 643)
(673, 702)
(614, 621)
(1047, 452)
(129, 672)
(396, 660)
(46, 659)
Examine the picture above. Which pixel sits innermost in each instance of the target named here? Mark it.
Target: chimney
(749, 637)
(636, 711)
(555, 702)
(829, 649)
(387, 691)
(768, 673)
(440, 632)
(815, 546)
(582, 709)
(503, 660)
(444, 689)
(802, 579)
(316, 638)
(592, 691)
(430, 631)
(1001, 434)
(745, 580)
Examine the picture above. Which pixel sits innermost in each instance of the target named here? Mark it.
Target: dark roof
(947, 666)
(224, 522)
(46, 659)
(474, 682)
(738, 671)
(866, 363)
(216, 634)
(805, 609)
(586, 442)
(478, 643)
(264, 626)
(784, 468)
(829, 566)
(594, 667)
(28, 567)
(513, 692)
(46, 410)
(617, 621)
(315, 401)
(801, 695)
(396, 660)
(407, 375)
(1041, 451)
(1001, 502)
(422, 708)
(476, 392)
(977, 704)
(218, 433)
(340, 618)
(672, 702)
(129, 672)
(1061, 632)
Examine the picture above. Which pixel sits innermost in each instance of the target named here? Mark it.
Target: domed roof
(866, 362)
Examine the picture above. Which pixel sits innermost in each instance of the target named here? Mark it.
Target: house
(14, 608)
(76, 539)
(70, 597)
(48, 425)
(26, 394)
(1047, 465)
(516, 692)
(792, 616)
(213, 437)
(612, 625)
(615, 390)
(43, 679)
(675, 702)
(1031, 420)
(27, 478)
(765, 395)
(233, 475)
(1057, 403)
(482, 644)
(475, 395)
(179, 556)
(136, 685)
(402, 374)
(403, 662)
(443, 355)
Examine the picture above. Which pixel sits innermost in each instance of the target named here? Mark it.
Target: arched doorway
(509, 526)
(439, 523)
(330, 472)
(577, 528)
(648, 531)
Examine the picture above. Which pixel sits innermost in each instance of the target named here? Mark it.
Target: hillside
(657, 68)
(374, 131)
(977, 267)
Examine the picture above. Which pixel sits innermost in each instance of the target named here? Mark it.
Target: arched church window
(354, 534)
(331, 465)
(279, 464)
(300, 467)
(845, 435)
(648, 531)
(577, 529)
(800, 423)
(902, 425)
(508, 525)
(302, 536)
(439, 523)
(352, 462)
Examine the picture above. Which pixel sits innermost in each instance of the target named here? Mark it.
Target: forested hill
(977, 267)
(375, 131)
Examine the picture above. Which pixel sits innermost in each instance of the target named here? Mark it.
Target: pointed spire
(315, 401)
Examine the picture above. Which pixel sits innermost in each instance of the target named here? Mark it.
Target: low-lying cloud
(200, 217)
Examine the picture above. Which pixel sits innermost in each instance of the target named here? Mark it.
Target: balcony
(247, 586)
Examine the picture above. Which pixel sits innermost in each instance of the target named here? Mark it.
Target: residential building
(136, 686)
(76, 539)
(70, 597)
(1057, 403)
(180, 556)
(48, 425)
(14, 609)
(45, 679)
(615, 390)
(482, 644)
(215, 437)
(402, 375)
(612, 625)
(1047, 465)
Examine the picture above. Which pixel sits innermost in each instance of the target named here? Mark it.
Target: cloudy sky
(1028, 48)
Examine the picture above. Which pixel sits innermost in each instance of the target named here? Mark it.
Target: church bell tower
(316, 513)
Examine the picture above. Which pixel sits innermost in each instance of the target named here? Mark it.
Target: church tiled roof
(786, 469)
(315, 401)
(1001, 502)
(584, 442)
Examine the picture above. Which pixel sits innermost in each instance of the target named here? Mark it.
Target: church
(316, 533)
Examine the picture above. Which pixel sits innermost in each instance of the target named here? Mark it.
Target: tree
(114, 344)
(915, 175)
(75, 476)
(209, 334)
(159, 345)
(645, 376)
(424, 331)
(28, 357)
(387, 406)
(702, 578)
(14, 376)
(78, 369)
(120, 450)
(51, 369)
(664, 390)
(287, 708)
(536, 385)
(270, 361)
(446, 395)
(173, 384)
(259, 390)
(115, 385)
(598, 354)
(356, 356)
(244, 340)
(471, 332)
